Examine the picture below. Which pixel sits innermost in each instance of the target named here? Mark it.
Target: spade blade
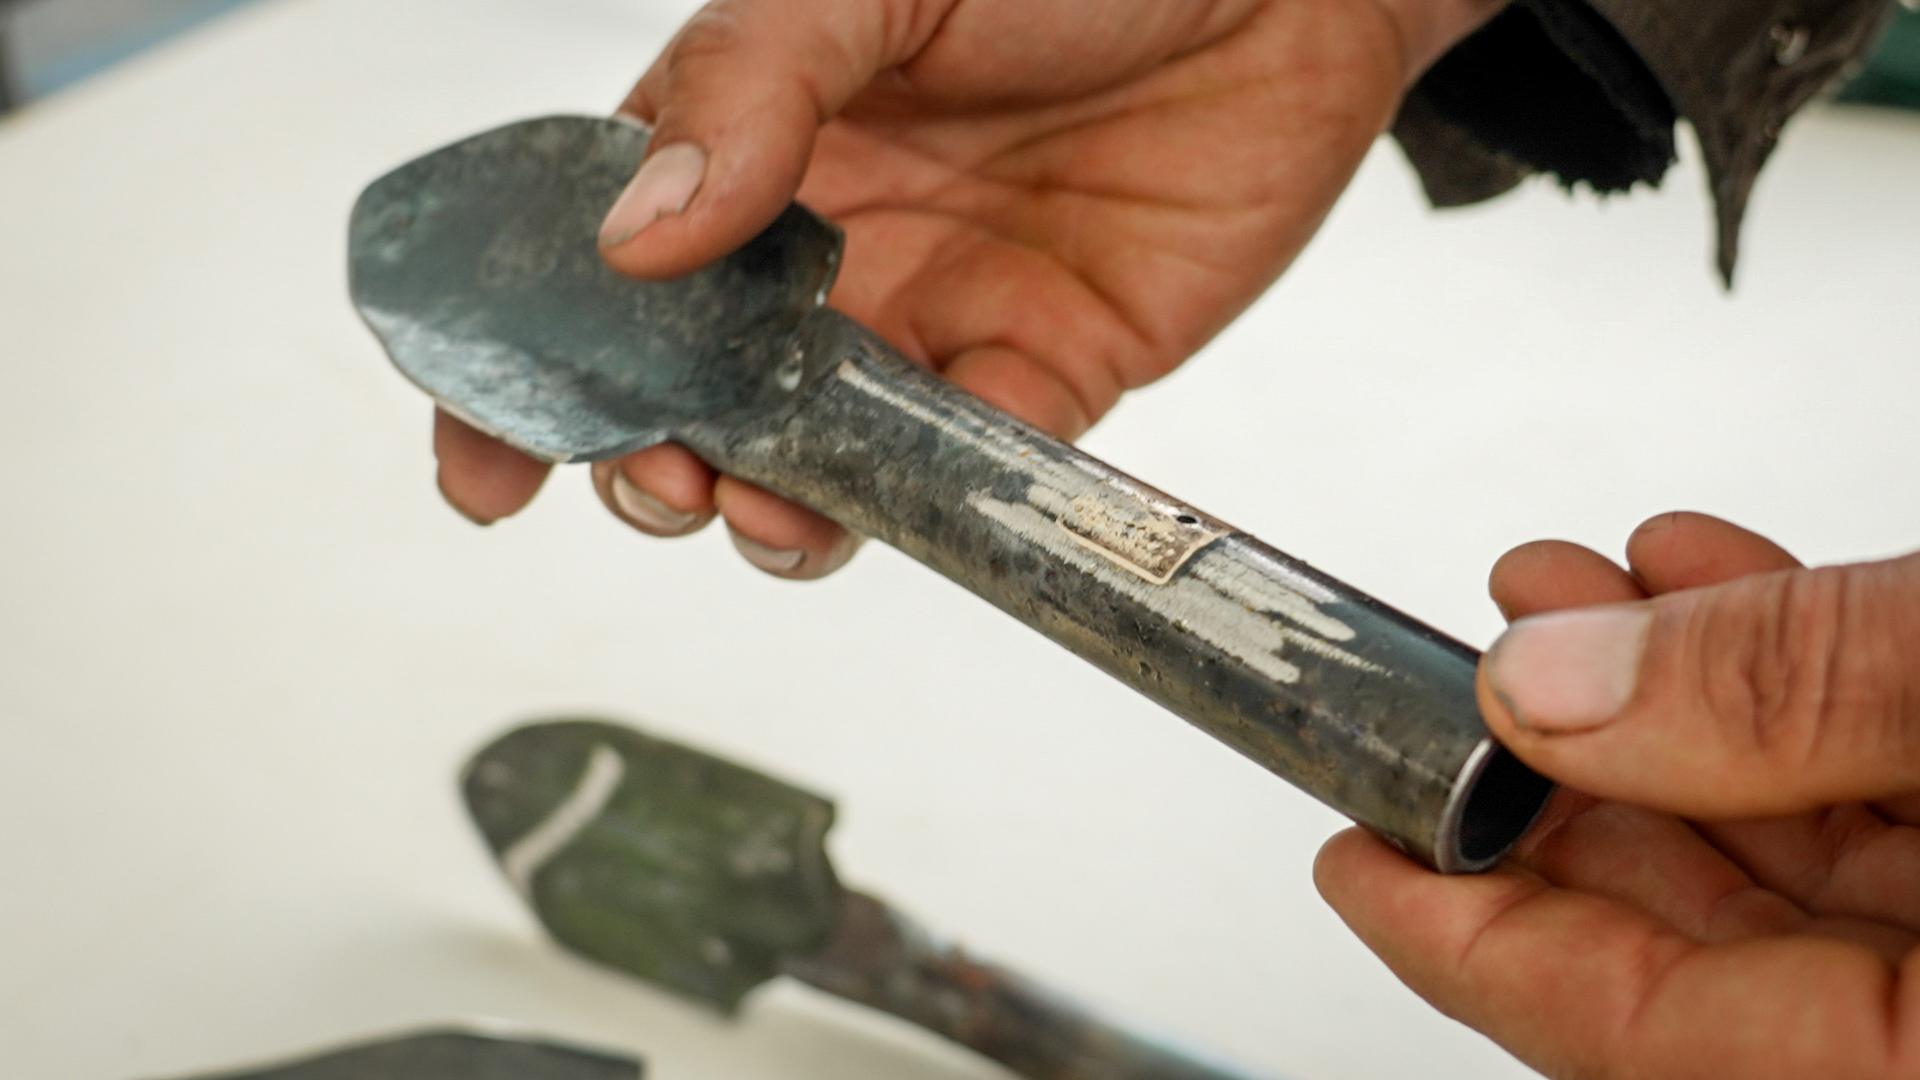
(479, 269)
(450, 1055)
(689, 871)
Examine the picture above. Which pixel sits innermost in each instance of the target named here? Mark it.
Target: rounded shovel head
(691, 872)
(478, 267)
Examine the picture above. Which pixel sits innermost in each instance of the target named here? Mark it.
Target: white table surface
(243, 648)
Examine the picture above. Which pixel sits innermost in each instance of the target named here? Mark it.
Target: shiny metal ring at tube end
(1494, 802)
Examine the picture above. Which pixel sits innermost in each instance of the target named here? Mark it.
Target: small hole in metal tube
(788, 374)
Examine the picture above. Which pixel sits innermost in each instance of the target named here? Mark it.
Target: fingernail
(771, 559)
(664, 186)
(1570, 670)
(646, 511)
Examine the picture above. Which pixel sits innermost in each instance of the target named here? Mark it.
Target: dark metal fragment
(449, 1054)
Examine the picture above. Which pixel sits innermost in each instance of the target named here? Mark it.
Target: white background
(243, 648)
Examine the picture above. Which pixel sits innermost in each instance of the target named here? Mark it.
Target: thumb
(735, 101)
(1764, 695)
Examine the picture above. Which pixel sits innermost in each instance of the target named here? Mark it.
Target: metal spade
(708, 878)
(450, 1054)
(477, 267)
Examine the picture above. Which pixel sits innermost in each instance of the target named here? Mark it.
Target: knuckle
(1802, 665)
(716, 31)
(1791, 668)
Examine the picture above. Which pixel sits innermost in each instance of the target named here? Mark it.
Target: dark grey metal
(882, 959)
(13, 92)
(450, 1054)
(477, 267)
(707, 878)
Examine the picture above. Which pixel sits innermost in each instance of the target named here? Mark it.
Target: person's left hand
(1765, 923)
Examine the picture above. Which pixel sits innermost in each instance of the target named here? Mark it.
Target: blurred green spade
(707, 878)
(688, 871)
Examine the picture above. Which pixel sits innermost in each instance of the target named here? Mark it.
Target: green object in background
(1892, 74)
(689, 871)
(707, 878)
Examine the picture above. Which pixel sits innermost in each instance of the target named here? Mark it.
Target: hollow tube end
(1495, 799)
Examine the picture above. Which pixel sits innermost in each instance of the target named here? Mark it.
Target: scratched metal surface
(618, 368)
(476, 266)
(1364, 708)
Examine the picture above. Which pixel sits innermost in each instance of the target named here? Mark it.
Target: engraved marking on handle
(1126, 522)
(1154, 539)
(1243, 601)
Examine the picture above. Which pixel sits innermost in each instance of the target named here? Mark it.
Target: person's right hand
(1050, 201)
(1730, 884)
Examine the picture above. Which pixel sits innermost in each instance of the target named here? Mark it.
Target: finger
(1685, 550)
(480, 476)
(1581, 985)
(1892, 944)
(1042, 344)
(1548, 575)
(1762, 696)
(662, 491)
(1013, 381)
(735, 102)
(1901, 810)
(1844, 860)
(783, 538)
(1686, 878)
(1657, 863)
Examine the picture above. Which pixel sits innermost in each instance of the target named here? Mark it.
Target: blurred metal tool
(708, 878)
(450, 1054)
(477, 267)
(12, 93)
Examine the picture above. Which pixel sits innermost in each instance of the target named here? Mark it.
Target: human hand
(1732, 887)
(1050, 201)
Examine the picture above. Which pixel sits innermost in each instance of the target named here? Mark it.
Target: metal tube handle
(1363, 707)
(882, 959)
